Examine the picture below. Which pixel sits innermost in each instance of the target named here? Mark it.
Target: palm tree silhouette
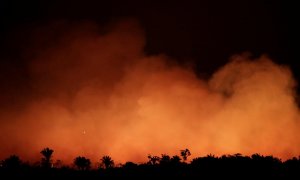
(46, 160)
(82, 163)
(107, 162)
(185, 154)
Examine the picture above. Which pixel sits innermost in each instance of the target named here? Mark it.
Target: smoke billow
(94, 92)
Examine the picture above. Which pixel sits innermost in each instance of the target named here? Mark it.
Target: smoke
(94, 92)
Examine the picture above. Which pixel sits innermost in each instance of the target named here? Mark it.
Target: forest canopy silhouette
(92, 91)
(225, 166)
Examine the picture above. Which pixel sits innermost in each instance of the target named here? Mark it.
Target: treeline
(210, 166)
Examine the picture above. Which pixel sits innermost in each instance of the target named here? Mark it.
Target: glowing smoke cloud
(97, 94)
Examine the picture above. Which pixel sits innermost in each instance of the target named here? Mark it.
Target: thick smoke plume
(94, 92)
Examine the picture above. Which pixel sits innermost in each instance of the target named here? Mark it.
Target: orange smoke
(95, 93)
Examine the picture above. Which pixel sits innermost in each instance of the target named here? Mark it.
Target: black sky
(204, 32)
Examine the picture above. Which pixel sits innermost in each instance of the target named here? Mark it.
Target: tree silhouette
(58, 164)
(82, 163)
(129, 165)
(185, 154)
(165, 159)
(153, 159)
(175, 159)
(13, 162)
(46, 160)
(210, 166)
(107, 162)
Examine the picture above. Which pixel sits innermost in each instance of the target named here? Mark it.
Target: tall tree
(46, 160)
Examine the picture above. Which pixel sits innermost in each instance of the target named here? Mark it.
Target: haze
(93, 92)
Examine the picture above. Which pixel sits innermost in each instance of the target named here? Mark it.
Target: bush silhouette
(153, 159)
(82, 163)
(13, 162)
(165, 159)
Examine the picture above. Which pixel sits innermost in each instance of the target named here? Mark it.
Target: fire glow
(96, 94)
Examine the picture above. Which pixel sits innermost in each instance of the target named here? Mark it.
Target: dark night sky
(207, 33)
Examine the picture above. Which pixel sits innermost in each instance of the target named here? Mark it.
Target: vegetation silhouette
(237, 165)
(185, 154)
(13, 162)
(165, 160)
(153, 159)
(82, 163)
(175, 159)
(46, 160)
(107, 162)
